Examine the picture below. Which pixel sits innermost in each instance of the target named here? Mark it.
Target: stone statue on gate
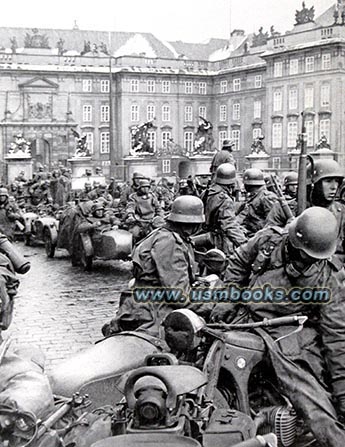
(140, 139)
(81, 150)
(20, 146)
(203, 138)
(257, 146)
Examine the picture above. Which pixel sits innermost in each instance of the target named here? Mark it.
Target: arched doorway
(41, 153)
(184, 169)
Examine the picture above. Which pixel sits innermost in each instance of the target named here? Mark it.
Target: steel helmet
(4, 192)
(291, 179)
(226, 174)
(187, 209)
(144, 182)
(138, 175)
(253, 177)
(98, 205)
(315, 232)
(324, 168)
(228, 144)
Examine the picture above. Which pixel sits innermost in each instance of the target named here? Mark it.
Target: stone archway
(41, 152)
(184, 169)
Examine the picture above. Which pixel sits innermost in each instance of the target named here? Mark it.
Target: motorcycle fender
(53, 233)
(87, 244)
(111, 357)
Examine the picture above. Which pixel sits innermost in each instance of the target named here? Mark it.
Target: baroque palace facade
(101, 84)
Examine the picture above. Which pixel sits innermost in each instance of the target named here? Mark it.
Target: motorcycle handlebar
(280, 321)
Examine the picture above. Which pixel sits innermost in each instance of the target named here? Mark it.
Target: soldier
(300, 257)
(163, 259)
(277, 216)
(9, 214)
(141, 209)
(224, 156)
(259, 203)
(165, 193)
(128, 190)
(220, 212)
(85, 194)
(322, 186)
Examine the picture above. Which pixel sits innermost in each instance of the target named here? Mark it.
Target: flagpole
(112, 153)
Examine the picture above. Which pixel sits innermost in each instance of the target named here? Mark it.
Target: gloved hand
(220, 312)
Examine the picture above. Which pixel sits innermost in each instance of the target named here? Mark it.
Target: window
(258, 81)
(150, 112)
(309, 97)
(188, 87)
(236, 111)
(134, 85)
(89, 141)
(276, 162)
(105, 115)
(166, 112)
(235, 136)
(188, 141)
(166, 166)
(188, 113)
(223, 135)
(105, 86)
(222, 112)
(325, 95)
(292, 134)
(87, 85)
(293, 103)
(151, 138)
(87, 113)
(277, 101)
(293, 68)
(202, 111)
(166, 87)
(236, 85)
(309, 64)
(326, 61)
(134, 112)
(257, 109)
(166, 136)
(309, 127)
(278, 70)
(150, 86)
(277, 135)
(257, 132)
(223, 86)
(202, 88)
(105, 143)
(325, 126)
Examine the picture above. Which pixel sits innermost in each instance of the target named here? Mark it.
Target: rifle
(283, 202)
(302, 170)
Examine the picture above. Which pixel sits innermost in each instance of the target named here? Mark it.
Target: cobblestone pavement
(61, 308)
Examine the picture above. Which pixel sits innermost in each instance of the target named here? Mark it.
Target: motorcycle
(238, 373)
(160, 402)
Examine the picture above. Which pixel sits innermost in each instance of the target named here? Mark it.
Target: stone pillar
(16, 163)
(258, 160)
(79, 165)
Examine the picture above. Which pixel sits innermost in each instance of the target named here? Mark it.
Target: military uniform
(164, 259)
(276, 217)
(254, 215)
(264, 260)
(9, 213)
(221, 220)
(221, 157)
(140, 210)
